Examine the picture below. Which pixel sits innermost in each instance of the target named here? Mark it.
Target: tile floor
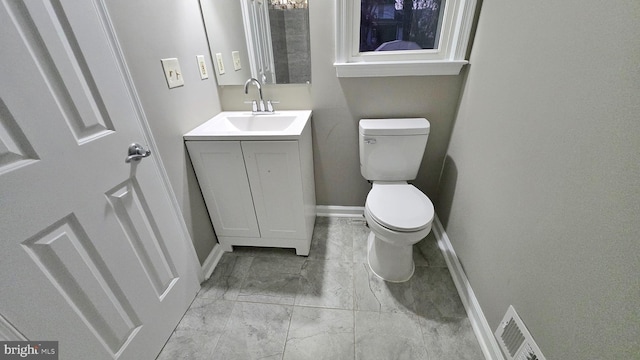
(271, 304)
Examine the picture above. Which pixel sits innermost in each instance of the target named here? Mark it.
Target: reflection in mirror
(270, 39)
(392, 25)
(289, 20)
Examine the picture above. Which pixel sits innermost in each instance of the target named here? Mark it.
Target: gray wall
(338, 104)
(541, 190)
(147, 33)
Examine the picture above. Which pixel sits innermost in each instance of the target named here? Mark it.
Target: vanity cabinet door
(220, 169)
(276, 184)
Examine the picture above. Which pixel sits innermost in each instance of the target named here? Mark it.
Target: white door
(91, 253)
(276, 185)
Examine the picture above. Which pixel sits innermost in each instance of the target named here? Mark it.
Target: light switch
(202, 66)
(220, 63)
(172, 72)
(236, 60)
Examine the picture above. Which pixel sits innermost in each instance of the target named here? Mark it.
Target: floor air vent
(515, 340)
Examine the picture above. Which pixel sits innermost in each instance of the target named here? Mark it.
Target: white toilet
(398, 214)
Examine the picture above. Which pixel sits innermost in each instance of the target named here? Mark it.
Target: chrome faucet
(258, 107)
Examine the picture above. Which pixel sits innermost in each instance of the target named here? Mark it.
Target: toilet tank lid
(407, 126)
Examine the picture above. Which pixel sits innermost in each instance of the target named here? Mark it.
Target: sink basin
(241, 125)
(259, 123)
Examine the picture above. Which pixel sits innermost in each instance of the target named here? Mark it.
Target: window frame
(447, 59)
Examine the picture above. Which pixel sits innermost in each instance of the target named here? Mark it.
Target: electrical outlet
(236, 60)
(220, 63)
(172, 72)
(202, 66)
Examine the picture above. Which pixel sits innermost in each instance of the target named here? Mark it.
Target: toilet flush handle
(370, 141)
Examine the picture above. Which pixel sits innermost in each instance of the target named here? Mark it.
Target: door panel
(92, 254)
(276, 185)
(68, 72)
(66, 256)
(225, 187)
(143, 234)
(15, 149)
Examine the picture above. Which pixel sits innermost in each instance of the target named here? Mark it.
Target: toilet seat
(399, 207)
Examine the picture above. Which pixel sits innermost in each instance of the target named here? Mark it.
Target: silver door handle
(136, 153)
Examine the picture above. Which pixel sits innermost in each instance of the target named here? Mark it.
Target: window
(402, 37)
(391, 25)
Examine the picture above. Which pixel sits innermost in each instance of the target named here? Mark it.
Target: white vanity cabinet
(258, 192)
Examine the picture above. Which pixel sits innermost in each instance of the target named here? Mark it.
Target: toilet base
(392, 263)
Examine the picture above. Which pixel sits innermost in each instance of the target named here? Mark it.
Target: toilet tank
(392, 149)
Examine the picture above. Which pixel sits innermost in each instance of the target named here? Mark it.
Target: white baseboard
(211, 262)
(481, 328)
(339, 211)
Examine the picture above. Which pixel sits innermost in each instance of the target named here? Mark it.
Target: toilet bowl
(399, 215)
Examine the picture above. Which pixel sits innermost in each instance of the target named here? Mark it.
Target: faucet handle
(270, 107)
(254, 105)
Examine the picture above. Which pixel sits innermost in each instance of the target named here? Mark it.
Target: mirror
(264, 39)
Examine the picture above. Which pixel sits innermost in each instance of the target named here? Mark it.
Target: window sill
(399, 68)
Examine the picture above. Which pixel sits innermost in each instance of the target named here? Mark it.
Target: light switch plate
(236, 60)
(172, 72)
(220, 63)
(202, 66)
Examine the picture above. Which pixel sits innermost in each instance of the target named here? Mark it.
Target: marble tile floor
(271, 304)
